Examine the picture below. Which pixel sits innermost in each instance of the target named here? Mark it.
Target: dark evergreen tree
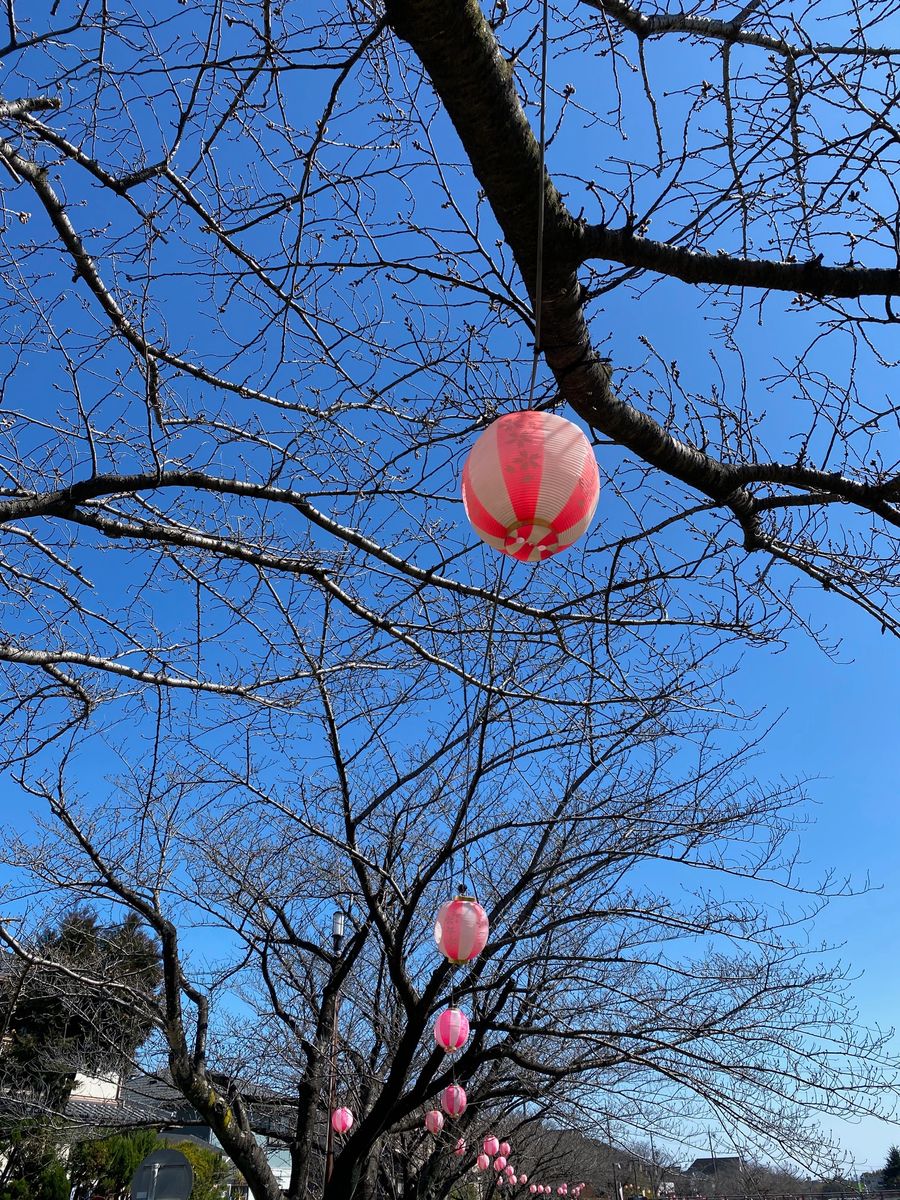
(71, 1002)
(890, 1175)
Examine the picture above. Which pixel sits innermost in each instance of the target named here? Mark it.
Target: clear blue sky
(840, 724)
(838, 717)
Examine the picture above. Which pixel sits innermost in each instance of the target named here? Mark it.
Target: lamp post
(337, 937)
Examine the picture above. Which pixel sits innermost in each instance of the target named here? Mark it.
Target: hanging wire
(542, 150)
(487, 674)
(487, 665)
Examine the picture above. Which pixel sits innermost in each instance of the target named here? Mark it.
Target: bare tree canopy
(261, 296)
(269, 268)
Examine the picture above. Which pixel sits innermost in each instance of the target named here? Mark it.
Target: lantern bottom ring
(531, 533)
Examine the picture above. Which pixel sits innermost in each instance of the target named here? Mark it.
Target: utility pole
(337, 937)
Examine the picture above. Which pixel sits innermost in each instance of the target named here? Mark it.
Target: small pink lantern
(460, 1147)
(434, 1121)
(491, 1145)
(461, 929)
(530, 485)
(533, 1188)
(482, 1162)
(499, 1163)
(451, 1029)
(505, 1148)
(342, 1120)
(453, 1100)
(523, 1179)
(510, 1172)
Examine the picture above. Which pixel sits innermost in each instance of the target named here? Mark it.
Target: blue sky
(837, 718)
(839, 726)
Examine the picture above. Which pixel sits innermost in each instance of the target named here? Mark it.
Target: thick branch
(731, 32)
(807, 278)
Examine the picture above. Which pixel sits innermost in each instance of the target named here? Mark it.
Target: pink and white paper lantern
(453, 1100)
(482, 1162)
(460, 1147)
(461, 929)
(505, 1149)
(491, 1146)
(530, 485)
(434, 1121)
(451, 1029)
(499, 1163)
(342, 1120)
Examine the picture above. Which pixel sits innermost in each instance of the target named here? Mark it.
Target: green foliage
(106, 1165)
(63, 1013)
(211, 1171)
(58, 1024)
(890, 1175)
(50, 1183)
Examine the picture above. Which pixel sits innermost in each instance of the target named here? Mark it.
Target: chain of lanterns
(530, 488)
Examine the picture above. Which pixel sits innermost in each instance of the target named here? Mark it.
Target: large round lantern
(460, 1147)
(434, 1121)
(491, 1145)
(342, 1120)
(482, 1162)
(461, 929)
(530, 485)
(451, 1029)
(505, 1148)
(453, 1100)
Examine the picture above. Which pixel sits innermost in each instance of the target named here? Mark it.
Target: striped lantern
(453, 1100)
(482, 1162)
(499, 1163)
(434, 1121)
(530, 485)
(505, 1148)
(491, 1145)
(523, 1179)
(342, 1120)
(461, 929)
(451, 1029)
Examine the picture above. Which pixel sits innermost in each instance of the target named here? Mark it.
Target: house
(114, 1103)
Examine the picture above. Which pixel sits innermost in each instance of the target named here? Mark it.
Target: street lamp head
(337, 925)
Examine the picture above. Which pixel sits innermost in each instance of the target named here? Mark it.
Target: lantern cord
(487, 669)
(542, 189)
